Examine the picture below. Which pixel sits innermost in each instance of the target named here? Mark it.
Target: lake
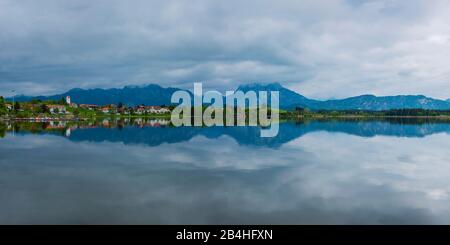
(386, 171)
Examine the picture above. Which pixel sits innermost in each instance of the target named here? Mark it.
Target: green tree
(299, 109)
(2, 111)
(2, 106)
(44, 108)
(35, 101)
(2, 130)
(17, 106)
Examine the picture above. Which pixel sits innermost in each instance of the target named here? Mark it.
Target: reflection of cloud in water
(319, 178)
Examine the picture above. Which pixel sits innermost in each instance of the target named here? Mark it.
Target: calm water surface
(144, 172)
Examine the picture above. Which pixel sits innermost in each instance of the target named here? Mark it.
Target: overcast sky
(321, 49)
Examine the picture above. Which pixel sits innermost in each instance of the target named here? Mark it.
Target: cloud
(322, 49)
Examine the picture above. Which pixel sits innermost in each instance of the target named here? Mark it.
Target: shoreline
(83, 118)
(297, 117)
(367, 116)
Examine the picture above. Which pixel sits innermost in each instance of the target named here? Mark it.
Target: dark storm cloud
(319, 48)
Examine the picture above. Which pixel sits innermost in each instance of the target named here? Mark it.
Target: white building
(105, 110)
(157, 110)
(55, 109)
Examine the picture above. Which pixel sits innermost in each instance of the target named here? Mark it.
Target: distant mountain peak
(148, 85)
(260, 86)
(75, 90)
(369, 96)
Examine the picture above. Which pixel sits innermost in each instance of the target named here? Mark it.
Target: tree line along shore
(64, 109)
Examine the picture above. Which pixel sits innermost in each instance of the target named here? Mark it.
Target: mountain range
(130, 95)
(156, 95)
(290, 99)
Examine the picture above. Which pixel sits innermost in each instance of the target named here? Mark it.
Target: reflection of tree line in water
(61, 126)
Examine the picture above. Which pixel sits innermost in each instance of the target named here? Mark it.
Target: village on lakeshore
(67, 109)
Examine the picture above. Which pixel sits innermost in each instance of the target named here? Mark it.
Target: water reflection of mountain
(251, 135)
(153, 134)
